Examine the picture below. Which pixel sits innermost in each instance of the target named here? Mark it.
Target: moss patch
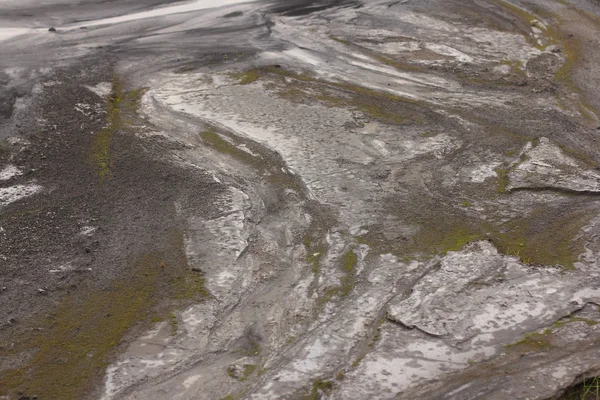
(502, 179)
(314, 256)
(548, 235)
(318, 386)
(246, 77)
(544, 237)
(337, 39)
(570, 319)
(533, 342)
(516, 67)
(121, 106)
(248, 370)
(349, 261)
(174, 324)
(348, 265)
(382, 106)
(267, 164)
(573, 53)
(70, 348)
(527, 21)
(80, 335)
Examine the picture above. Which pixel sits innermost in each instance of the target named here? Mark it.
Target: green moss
(337, 39)
(529, 20)
(357, 361)
(545, 237)
(570, 319)
(442, 239)
(585, 111)
(348, 265)
(174, 324)
(533, 342)
(318, 386)
(271, 170)
(189, 286)
(516, 67)
(120, 106)
(572, 53)
(503, 173)
(70, 347)
(214, 140)
(248, 370)
(253, 349)
(579, 156)
(503, 180)
(438, 231)
(400, 65)
(246, 77)
(428, 134)
(80, 334)
(315, 244)
(314, 258)
(349, 261)
(231, 372)
(382, 106)
(376, 337)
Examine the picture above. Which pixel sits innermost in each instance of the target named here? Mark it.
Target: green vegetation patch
(441, 241)
(264, 164)
(216, 141)
(379, 105)
(318, 386)
(248, 370)
(529, 20)
(502, 179)
(174, 323)
(403, 66)
(543, 341)
(570, 319)
(70, 348)
(80, 335)
(348, 263)
(337, 39)
(314, 256)
(516, 67)
(121, 106)
(545, 237)
(314, 240)
(573, 53)
(533, 342)
(246, 77)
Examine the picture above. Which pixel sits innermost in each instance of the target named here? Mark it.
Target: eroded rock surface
(299, 200)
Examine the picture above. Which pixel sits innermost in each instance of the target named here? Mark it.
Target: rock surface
(299, 200)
